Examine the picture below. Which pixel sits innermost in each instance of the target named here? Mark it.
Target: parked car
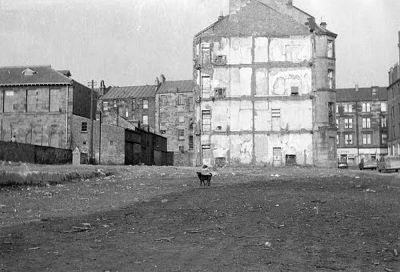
(342, 163)
(388, 163)
(368, 164)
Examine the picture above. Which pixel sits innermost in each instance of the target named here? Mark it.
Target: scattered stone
(164, 200)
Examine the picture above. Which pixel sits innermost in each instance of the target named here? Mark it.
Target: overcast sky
(130, 42)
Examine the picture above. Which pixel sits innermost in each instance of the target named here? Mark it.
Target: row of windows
(366, 139)
(365, 107)
(37, 100)
(366, 122)
(122, 105)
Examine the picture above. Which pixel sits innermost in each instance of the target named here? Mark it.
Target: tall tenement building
(265, 87)
(361, 117)
(394, 108)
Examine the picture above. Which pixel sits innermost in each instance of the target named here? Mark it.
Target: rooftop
(178, 86)
(130, 92)
(32, 75)
(363, 94)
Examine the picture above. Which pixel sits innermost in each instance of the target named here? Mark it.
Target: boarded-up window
(38, 100)
(55, 100)
(8, 101)
(206, 117)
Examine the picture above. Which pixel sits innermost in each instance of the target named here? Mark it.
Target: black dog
(203, 178)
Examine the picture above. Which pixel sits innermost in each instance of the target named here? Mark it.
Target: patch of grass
(14, 179)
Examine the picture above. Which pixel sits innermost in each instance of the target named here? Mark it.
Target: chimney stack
(356, 87)
(236, 5)
(289, 2)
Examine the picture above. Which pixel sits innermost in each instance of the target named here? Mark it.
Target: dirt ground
(159, 219)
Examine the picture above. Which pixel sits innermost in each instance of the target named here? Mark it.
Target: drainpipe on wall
(357, 136)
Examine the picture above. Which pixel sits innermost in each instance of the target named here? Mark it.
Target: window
(206, 86)
(394, 131)
(206, 146)
(374, 91)
(181, 149)
(8, 101)
(294, 90)
(84, 127)
(366, 107)
(163, 131)
(348, 139)
(145, 119)
(331, 79)
(220, 60)
(181, 134)
(276, 113)
(55, 99)
(392, 112)
(348, 108)
(348, 123)
(115, 103)
(219, 92)
(366, 138)
(163, 100)
(105, 106)
(206, 117)
(366, 123)
(145, 104)
(383, 106)
(337, 122)
(133, 104)
(337, 139)
(331, 49)
(331, 113)
(163, 117)
(205, 53)
(181, 117)
(191, 142)
(383, 121)
(384, 138)
(181, 99)
(190, 104)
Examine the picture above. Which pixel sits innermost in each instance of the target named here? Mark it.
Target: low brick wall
(19, 152)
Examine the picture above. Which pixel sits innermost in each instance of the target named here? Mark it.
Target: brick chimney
(235, 5)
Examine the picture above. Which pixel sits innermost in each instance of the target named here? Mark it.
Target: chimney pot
(290, 2)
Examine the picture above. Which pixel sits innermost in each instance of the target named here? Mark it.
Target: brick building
(42, 106)
(175, 118)
(394, 108)
(361, 118)
(255, 71)
(135, 104)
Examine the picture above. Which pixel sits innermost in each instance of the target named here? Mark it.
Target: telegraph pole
(92, 83)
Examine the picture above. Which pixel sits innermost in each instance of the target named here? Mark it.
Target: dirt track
(258, 220)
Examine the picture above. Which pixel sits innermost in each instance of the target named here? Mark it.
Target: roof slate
(363, 94)
(44, 75)
(130, 92)
(180, 86)
(264, 21)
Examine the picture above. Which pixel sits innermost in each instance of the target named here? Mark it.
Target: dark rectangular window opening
(84, 127)
(294, 90)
